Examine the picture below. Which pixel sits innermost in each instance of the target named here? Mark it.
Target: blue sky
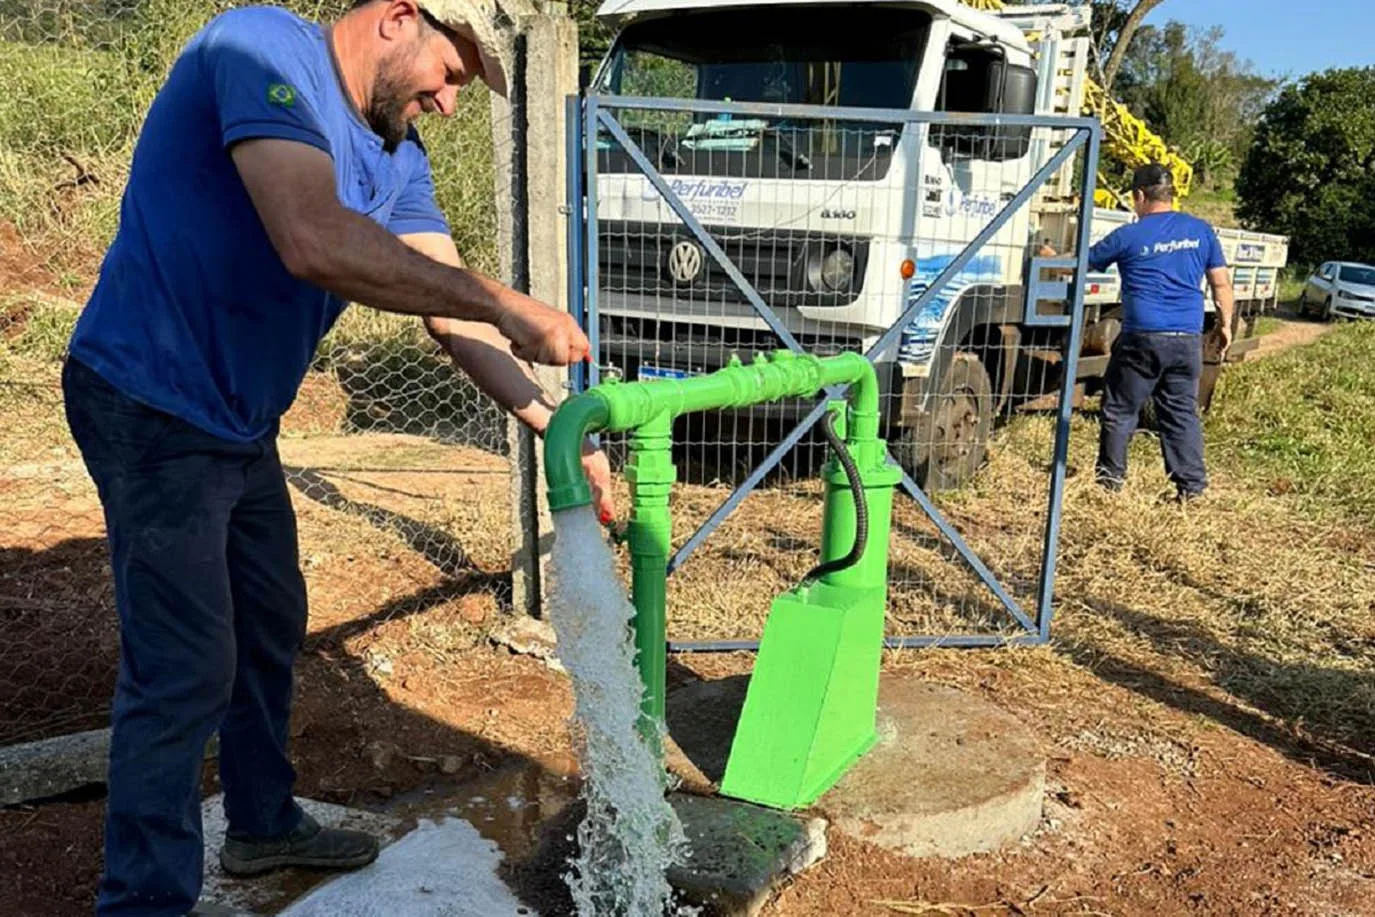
(1285, 37)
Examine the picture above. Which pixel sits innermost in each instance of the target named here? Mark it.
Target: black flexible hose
(847, 462)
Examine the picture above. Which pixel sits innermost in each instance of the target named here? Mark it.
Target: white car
(1339, 288)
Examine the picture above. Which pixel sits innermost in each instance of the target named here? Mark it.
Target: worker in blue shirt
(1163, 259)
(277, 178)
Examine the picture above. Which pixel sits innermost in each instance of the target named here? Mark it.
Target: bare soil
(1295, 330)
(1192, 772)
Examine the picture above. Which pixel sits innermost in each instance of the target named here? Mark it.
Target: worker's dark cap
(1152, 175)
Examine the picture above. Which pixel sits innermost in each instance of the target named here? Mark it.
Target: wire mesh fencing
(398, 464)
(721, 229)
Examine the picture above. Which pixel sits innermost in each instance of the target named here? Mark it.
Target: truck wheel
(946, 447)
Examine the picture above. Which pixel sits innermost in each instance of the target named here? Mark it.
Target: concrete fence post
(528, 136)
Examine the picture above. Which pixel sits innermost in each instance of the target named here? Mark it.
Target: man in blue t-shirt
(277, 177)
(1162, 258)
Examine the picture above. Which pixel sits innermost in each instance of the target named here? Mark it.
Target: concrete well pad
(951, 775)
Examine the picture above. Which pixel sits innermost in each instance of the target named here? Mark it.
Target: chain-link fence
(723, 229)
(398, 463)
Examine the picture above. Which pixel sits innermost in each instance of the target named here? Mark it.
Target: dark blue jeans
(1164, 367)
(212, 612)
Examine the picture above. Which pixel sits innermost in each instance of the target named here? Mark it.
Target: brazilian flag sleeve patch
(282, 94)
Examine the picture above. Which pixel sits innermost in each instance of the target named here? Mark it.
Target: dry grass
(1252, 607)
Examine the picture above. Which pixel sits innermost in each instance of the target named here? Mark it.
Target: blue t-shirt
(194, 313)
(1162, 258)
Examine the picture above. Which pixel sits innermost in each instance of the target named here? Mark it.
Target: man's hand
(1223, 334)
(541, 334)
(598, 471)
(1221, 282)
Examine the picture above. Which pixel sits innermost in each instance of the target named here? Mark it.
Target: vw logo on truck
(685, 261)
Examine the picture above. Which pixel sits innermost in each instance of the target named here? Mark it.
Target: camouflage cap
(478, 21)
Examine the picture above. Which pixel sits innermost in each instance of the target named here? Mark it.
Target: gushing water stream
(630, 835)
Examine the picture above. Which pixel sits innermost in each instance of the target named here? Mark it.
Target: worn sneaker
(307, 845)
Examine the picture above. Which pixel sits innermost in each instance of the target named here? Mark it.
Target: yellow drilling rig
(1126, 137)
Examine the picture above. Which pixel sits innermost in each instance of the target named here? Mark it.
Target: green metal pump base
(810, 710)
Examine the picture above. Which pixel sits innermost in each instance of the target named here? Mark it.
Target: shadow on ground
(1270, 696)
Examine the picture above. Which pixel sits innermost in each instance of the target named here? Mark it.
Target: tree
(594, 37)
(1200, 98)
(1126, 30)
(1310, 172)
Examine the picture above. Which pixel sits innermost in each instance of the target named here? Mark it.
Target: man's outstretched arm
(485, 356)
(324, 243)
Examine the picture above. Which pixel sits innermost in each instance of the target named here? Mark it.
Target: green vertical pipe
(651, 475)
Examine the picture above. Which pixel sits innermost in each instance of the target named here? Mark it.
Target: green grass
(1268, 324)
(1218, 206)
(77, 85)
(1291, 285)
(1303, 422)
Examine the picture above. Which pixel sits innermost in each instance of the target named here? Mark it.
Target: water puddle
(514, 807)
(442, 868)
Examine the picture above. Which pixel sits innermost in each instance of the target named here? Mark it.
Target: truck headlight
(831, 270)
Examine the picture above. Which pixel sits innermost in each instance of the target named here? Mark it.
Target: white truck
(839, 225)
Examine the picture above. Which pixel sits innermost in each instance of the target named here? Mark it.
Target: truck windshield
(1357, 274)
(793, 54)
(846, 56)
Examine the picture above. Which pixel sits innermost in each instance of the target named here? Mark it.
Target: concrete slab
(269, 893)
(35, 770)
(951, 775)
(740, 853)
(702, 716)
(51, 767)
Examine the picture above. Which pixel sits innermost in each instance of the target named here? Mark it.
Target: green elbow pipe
(568, 429)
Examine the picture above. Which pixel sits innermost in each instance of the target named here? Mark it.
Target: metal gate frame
(585, 115)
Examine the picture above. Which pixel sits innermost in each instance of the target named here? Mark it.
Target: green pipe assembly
(810, 711)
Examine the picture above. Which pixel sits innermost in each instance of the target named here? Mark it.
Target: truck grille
(784, 267)
(627, 342)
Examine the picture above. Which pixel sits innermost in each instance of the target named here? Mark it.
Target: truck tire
(945, 447)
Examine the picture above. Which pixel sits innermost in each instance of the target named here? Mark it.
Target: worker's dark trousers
(1165, 367)
(212, 612)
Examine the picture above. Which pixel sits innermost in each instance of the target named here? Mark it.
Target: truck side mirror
(587, 72)
(995, 87)
(1015, 94)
